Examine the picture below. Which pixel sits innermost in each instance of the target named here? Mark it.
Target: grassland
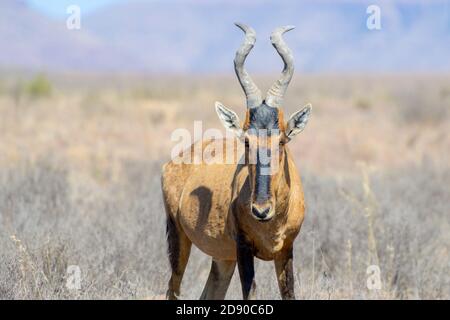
(80, 158)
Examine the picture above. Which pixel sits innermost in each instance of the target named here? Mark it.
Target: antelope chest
(267, 239)
(267, 246)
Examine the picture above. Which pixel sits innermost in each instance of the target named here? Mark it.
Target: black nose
(260, 213)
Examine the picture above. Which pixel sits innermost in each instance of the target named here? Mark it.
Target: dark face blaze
(263, 128)
(264, 134)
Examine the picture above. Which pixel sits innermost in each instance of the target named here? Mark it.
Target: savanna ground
(80, 159)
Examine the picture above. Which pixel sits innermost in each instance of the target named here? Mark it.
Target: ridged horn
(275, 95)
(252, 93)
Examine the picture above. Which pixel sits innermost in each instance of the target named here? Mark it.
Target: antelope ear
(229, 119)
(298, 121)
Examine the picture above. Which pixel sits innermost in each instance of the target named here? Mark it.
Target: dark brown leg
(245, 260)
(285, 274)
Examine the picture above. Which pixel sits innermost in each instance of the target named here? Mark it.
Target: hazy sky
(57, 8)
(332, 35)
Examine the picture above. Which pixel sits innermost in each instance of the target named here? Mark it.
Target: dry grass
(79, 185)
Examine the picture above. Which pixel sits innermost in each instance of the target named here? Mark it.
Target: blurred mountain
(31, 40)
(199, 36)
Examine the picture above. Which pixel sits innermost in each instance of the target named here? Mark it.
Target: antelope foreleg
(285, 274)
(246, 266)
(219, 280)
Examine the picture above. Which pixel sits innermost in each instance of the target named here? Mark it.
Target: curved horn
(251, 91)
(276, 93)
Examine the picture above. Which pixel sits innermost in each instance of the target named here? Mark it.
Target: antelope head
(264, 131)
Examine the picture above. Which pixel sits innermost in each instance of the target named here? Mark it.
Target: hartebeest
(235, 212)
